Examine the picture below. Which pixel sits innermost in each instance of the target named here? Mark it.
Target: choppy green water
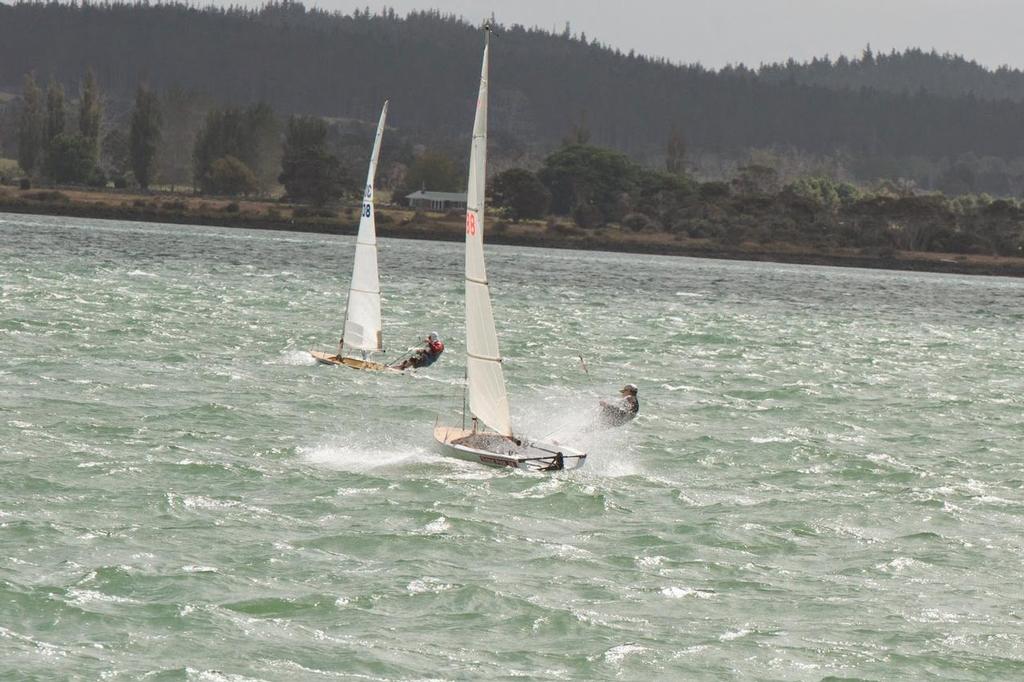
(826, 479)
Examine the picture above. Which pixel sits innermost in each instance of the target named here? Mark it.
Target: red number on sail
(471, 224)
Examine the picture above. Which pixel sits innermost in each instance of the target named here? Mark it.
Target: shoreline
(399, 223)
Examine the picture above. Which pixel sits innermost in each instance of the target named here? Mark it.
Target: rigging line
(465, 386)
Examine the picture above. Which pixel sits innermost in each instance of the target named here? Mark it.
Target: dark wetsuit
(425, 357)
(621, 411)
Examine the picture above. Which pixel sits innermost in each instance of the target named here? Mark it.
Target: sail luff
(488, 400)
(362, 331)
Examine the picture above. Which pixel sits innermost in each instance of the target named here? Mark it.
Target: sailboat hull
(354, 363)
(493, 449)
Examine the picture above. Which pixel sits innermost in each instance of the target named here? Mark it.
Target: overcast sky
(718, 32)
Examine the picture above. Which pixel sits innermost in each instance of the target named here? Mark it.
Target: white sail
(362, 318)
(486, 382)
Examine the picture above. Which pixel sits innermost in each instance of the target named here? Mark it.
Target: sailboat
(489, 438)
(362, 331)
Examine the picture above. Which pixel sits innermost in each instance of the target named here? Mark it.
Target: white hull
(493, 449)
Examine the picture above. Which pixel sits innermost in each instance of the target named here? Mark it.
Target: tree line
(233, 151)
(937, 120)
(243, 151)
(600, 188)
(911, 70)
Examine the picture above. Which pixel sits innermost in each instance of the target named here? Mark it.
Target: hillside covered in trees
(938, 122)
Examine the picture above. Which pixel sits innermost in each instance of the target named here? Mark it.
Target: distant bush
(714, 190)
(176, 205)
(25, 183)
(311, 212)
(230, 176)
(9, 168)
(233, 207)
(384, 219)
(49, 195)
(638, 222)
(96, 178)
(588, 215)
(565, 229)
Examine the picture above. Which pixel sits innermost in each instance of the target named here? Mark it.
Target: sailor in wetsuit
(426, 356)
(623, 410)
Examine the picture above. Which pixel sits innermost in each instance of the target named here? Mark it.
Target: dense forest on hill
(939, 122)
(910, 71)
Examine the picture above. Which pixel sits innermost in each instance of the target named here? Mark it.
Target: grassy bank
(403, 223)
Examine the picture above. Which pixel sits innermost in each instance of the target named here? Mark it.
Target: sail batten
(488, 400)
(362, 331)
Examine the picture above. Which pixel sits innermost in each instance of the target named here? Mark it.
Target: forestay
(362, 318)
(486, 382)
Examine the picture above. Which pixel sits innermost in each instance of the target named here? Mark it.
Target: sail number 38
(471, 224)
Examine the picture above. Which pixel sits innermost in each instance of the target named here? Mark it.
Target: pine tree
(31, 127)
(144, 136)
(89, 114)
(55, 114)
(675, 162)
(308, 171)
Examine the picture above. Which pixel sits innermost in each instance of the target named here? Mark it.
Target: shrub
(714, 190)
(307, 212)
(588, 215)
(233, 207)
(49, 195)
(565, 229)
(230, 176)
(97, 178)
(638, 222)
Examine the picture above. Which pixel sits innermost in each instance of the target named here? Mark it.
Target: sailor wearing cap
(621, 411)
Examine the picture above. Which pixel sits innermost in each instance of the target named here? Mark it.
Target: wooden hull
(354, 363)
(493, 449)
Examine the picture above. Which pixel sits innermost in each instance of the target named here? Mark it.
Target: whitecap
(650, 561)
(617, 653)
(293, 357)
(80, 597)
(674, 592)
(897, 565)
(734, 634)
(428, 585)
(439, 525)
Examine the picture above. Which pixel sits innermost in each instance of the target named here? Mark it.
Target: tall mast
(485, 380)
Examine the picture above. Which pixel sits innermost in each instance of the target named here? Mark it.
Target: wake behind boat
(485, 381)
